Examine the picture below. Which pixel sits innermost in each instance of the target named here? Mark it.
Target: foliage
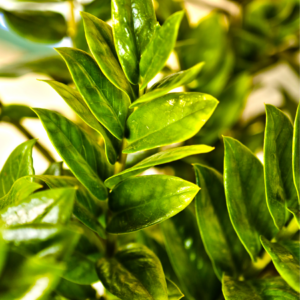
(101, 216)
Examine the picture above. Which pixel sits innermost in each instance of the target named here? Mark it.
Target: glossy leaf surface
(143, 201)
(170, 119)
(188, 257)
(51, 206)
(157, 159)
(100, 39)
(280, 189)
(169, 83)
(174, 292)
(245, 196)
(76, 102)
(159, 48)
(84, 156)
(108, 104)
(214, 223)
(124, 37)
(134, 273)
(37, 26)
(285, 256)
(296, 153)
(18, 164)
(263, 289)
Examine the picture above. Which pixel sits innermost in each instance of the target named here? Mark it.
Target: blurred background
(250, 50)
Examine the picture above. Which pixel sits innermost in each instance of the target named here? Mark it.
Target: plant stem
(120, 165)
(72, 23)
(288, 231)
(41, 148)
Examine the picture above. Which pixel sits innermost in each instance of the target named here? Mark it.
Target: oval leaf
(84, 156)
(108, 104)
(245, 196)
(170, 119)
(296, 152)
(134, 273)
(147, 200)
(157, 159)
(280, 189)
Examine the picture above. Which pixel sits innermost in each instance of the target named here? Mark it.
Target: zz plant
(65, 230)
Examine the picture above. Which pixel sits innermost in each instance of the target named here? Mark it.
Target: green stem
(41, 148)
(120, 165)
(72, 23)
(288, 231)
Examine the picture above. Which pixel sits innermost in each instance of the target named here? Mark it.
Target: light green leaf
(84, 156)
(76, 102)
(18, 164)
(219, 238)
(285, 256)
(174, 292)
(159, 48)
(134, 273)
(263, 289)
(108, 104)
(143, 201)
(55, 169)
(169, 83)
(51, 206)
(170, 119)
(157, 159)
(245, 196)
(296, 153)
(188, 257)
(36, 25)
(100, 39)
(280, 189)
(86, 208)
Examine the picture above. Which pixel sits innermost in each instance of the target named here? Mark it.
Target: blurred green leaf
(14, 113)
(55, 169)
(296, 153)
(174, 292)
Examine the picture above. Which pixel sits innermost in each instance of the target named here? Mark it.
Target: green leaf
(157, 159)
(124, 38)
(100, 39)
(83, 156)
(188, 257)
(296, 153)
(80, 269)
(55, 169)
(159, 48)
(296, 214)
(76, 102)
(51, 206)
(169, 83)
(263, 289)
(245, 196)
(143, 201)
(285, 256)
(14, 113)
(86, 207)
(134, 273)
(99, 8)
(174, 292)
(18, 164)
(108, 104)
(170, 119)
(219, 238)
(280, 189)
(37, 26)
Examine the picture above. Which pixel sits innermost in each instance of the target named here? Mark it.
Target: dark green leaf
(143, 201)
(159, 48)
(51, 206)
(76, 102)
(285, 256)
(169, 83)
(134, 273)
(55, 169)
(108, 104)
(84, 156)
(100, 39)
(245, 196)
(14, 113)
(124, 37)
(189, 260)
(157, 159)
(280, 189)
(174, 292)
(172, 118)
(18, 164)
(296, 152)
(263, 289)
(219, 238)
(37, 26)
(99, 8)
